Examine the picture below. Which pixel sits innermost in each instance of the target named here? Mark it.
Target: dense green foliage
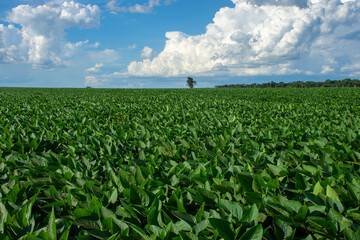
(347, 82)
(179, 164)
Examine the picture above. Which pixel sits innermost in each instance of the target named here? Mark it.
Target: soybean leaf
(233, 207)
(252, 215)
(255, 233)
(51, 227)
(224, 228)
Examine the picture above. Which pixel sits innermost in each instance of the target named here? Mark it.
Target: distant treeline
(347, 82)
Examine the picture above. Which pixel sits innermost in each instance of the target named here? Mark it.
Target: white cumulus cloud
(96, 68)
(93, 81)
(10, 40)
(147, 53)
(41, 38)
(99, 76)
(260, 37)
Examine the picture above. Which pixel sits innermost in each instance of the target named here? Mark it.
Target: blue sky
(158, 43)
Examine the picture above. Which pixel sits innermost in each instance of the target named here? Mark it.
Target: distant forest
(347, 82)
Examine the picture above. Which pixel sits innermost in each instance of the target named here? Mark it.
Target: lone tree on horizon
(190, 82)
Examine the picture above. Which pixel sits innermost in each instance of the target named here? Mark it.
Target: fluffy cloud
(298, 3)
(10, 40)
(327, 69)
(147, 7)
(41, 40)
(113, 5)
(261, 37)
(96, 68)
(147, 53)
(97, 77)
(95, 81)
(353, 68)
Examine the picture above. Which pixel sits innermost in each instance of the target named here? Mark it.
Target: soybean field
(181, 164)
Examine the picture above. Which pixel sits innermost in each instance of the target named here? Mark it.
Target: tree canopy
(190, 82)
(347, 82)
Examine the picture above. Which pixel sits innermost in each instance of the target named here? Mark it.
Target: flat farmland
(180, 163)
